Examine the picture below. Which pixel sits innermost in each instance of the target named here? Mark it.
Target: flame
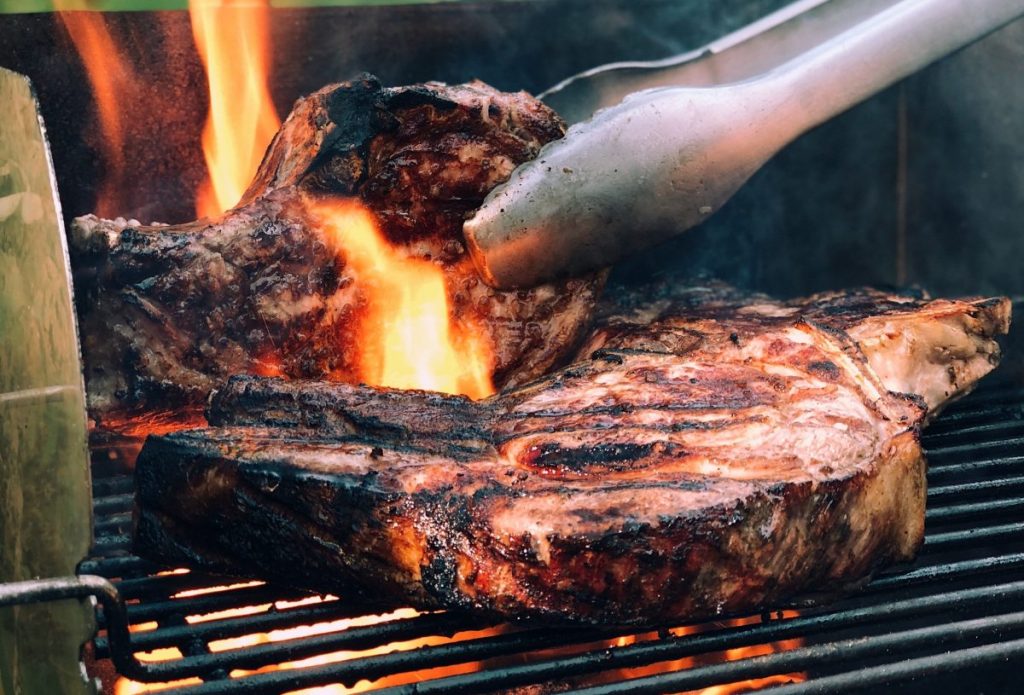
(233, 40)
(123, 686)
(733, 654)
(407, 338)
(111, 78)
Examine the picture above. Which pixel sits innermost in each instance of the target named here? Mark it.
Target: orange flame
(407, 339)
(733, 654)
(111, 77)
(233, 39)
(123, 686)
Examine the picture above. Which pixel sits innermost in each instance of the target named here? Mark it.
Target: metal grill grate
(959, 609)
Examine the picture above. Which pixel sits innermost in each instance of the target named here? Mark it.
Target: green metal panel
(45, 491)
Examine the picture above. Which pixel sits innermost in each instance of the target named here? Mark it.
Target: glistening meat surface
(166, 313)
(734, 455)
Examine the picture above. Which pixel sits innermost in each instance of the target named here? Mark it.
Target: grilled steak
(735, 454)
(168, 312)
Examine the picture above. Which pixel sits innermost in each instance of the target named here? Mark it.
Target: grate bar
(166, 585)
(1002, 532)
(112, 544)
(112, 524)
(960, 512)
(353, 639)
(999, 429)
(945, 452)
(111, 567)
(973, 467)
(112, 485)
(998, 485)
(989, 393)
(980, 414)
(113, 504)
(947, 570)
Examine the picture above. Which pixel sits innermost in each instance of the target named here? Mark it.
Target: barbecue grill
(953, 621)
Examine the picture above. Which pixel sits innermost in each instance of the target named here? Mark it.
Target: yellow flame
(124, 686)
(233, 40)
(407, 338)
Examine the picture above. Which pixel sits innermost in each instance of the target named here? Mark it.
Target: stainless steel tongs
(660, 157)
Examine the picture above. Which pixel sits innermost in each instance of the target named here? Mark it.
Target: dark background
(923, 184)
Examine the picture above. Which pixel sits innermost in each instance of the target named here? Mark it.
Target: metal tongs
(661, 157)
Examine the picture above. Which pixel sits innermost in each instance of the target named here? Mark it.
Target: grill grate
(959, 608)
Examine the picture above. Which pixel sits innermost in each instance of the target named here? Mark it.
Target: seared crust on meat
(168, 312)
(655, 481)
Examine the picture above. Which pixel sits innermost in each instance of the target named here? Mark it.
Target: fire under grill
(952, 621)
(956, 613)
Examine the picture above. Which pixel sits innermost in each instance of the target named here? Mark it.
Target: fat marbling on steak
(711, 454)
(167, 312)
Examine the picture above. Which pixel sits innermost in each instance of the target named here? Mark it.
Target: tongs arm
(664, 159)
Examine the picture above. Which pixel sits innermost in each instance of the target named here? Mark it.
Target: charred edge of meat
(436, 547)
(271, 519)
(335, 408)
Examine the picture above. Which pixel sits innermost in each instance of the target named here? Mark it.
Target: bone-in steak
(710, 455)
(168, 312)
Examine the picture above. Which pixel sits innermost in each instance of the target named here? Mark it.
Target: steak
(167, 312)
(710, 453)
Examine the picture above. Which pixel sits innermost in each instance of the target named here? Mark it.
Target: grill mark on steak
(167, 312)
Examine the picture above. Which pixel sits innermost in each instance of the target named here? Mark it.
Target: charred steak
(169, 311)
(713, 454)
